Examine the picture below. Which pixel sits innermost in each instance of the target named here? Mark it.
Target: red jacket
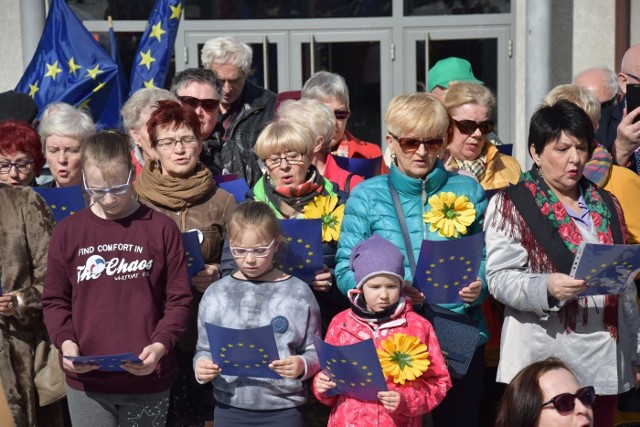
(335, 173)
(363, 149)
(416, 397)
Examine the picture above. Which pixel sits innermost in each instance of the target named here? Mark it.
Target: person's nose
(13, 172)
(421, 150)
(179, 147)
(62, 157)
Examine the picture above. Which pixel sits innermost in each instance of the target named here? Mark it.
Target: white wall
(10, 45)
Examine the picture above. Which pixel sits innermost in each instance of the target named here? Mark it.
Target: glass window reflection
(455, 7)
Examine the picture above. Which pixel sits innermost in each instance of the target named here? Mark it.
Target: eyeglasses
(22, 166)
(566, 402)
(210, 105)
(168, 144)
(411, 145)
(468, 127)
(632, 76)
(292, 158)
(259, 252)
(342, 114)
(116, 191)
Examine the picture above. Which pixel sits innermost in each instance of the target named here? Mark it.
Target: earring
(394, 159)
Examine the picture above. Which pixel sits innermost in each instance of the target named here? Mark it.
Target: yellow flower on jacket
(403, 358)
(449, 214)
(326, 209)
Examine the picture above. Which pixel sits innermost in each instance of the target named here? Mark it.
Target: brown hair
(256, 216)
(522, 399)
(104, 148)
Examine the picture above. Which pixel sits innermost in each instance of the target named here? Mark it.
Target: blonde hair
(311, 113)
(418, 113)
(463, 93)
(580, 96)
(279, 137)
(257, 217)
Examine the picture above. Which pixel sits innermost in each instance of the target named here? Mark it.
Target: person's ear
(389, 141)
(534, 155)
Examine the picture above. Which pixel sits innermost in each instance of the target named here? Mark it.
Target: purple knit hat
(376, 256)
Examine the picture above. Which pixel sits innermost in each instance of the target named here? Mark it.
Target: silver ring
(10, 305)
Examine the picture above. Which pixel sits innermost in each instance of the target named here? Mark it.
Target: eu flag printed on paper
(360, 166)
(505, 149)
(110, 362)
(62, 201)
(446, 266)
(237, 187)
(607, 269)
(355, 368)
(193, 251)
(301, 252)
(219, 179)
(151, 62)
(69, 65)
(243, 352)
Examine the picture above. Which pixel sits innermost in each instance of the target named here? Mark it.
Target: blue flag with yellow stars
(69, 65)
(110, 362)
(243, 352)
(355, 368)
(237, 187)
(193, 251)
(446, 266)
(300, 254)
(151, 63)
(360, 166)
(607, 269)
(62, 201)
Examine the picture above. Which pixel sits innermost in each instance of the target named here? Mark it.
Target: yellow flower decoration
(449, 214)
(324, 208)
(403, 358)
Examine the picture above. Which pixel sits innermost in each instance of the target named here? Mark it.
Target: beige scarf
(171, 192)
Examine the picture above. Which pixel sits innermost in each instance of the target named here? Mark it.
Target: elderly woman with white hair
(320, 119)
(331, 89)
(245, 108)
(63, 129)
(135, 115)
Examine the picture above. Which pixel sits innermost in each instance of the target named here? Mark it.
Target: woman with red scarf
(533, 230)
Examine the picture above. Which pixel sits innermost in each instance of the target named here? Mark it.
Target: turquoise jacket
(370, 210)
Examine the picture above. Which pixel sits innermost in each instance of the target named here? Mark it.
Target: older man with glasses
(200, 89)
(617, 131)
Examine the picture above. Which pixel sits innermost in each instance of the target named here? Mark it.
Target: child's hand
(206, 370)
(471, 293)
(204, 278)
(323, 383)
(416, 296)
(389, 399)
(150, 357)
(70, 348)
(289, 367)
(323, 280)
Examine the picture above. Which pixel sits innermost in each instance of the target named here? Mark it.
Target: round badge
(280, 324)
(200, 235)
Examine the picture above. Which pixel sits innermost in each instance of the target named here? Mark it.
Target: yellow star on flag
(149, 83)
(53, 70)
(157, 31)
(93, 72)
(33, 88)
(84, 105)
(100, 86)
(176, 11)
(147, 59)
(73, 67)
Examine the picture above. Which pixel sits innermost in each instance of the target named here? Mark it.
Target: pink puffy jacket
(416, 397)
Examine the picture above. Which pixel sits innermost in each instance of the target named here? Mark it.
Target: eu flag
(68, 65)
(151, 62)
(243, 352)
(301, 252)
(360, 166)
(446, 266)
(110, 362)
(193, 251)
(355, 368)
(62, 201)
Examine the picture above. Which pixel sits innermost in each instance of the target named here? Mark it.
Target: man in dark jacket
(245, 108)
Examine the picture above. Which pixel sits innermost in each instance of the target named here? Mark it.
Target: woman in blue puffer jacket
(417, 125)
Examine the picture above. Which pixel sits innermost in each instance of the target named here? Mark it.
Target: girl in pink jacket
(414, 368)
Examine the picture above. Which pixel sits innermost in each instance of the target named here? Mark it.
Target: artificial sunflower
(326, 209)
(403, 358)
(449, 214)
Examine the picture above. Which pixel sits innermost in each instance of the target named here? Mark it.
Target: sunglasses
(209, 105)
(410, 145)
(341, 114)
(468, 127)
(566, 402)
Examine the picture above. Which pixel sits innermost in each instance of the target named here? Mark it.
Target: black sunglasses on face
(468, 127)
(566, 402)
(341, 114)
(411, 145)
(209, 105)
